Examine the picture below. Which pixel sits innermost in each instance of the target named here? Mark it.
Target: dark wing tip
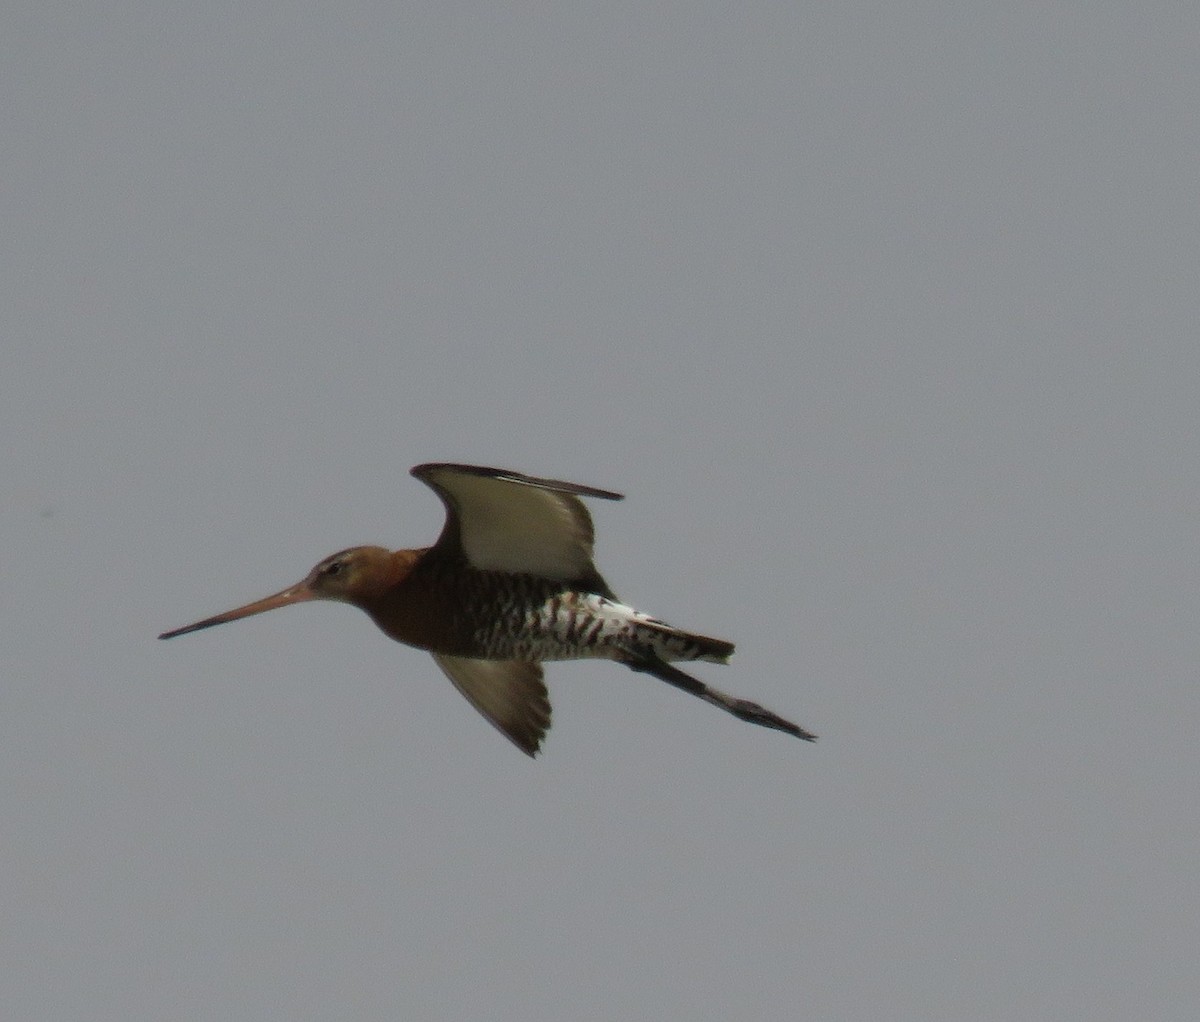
(528, 735)
(530, 745)
(423, 472)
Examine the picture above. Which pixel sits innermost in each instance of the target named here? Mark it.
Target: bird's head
(349, 576)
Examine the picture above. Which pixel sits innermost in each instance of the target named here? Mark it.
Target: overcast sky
(883, 316)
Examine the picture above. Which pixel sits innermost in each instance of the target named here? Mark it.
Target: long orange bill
(298, 593)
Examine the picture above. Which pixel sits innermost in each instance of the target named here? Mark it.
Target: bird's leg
(744, 709)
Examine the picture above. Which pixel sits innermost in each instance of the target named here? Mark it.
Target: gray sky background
(883, 316)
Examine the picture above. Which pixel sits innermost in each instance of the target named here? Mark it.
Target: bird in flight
(509, 584)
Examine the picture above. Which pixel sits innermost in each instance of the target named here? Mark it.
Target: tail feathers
(743, 709)
(717, 650)
(677, 644)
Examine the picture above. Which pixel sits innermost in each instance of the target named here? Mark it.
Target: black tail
(740, 708)
(676, 644)
(710, 648)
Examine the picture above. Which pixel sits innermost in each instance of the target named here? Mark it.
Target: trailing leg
(743, 709)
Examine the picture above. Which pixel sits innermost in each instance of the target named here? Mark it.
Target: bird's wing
(510, 693)
(506, 521)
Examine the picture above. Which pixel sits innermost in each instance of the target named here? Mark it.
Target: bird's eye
(334, 568)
